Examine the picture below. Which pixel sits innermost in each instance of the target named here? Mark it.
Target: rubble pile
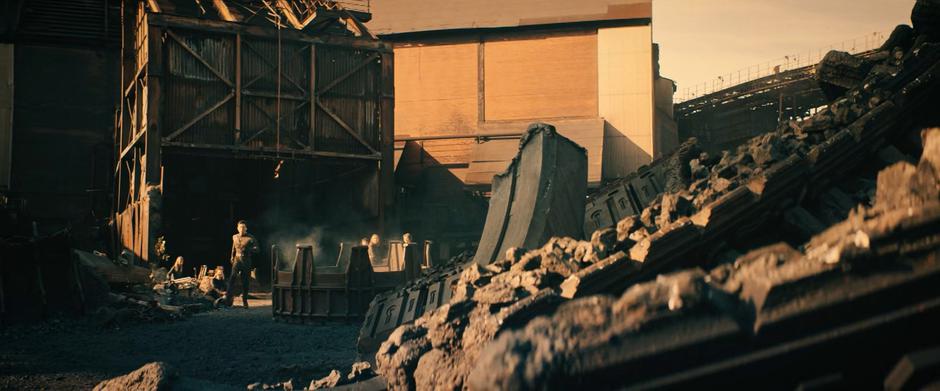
(137, 294)
(542, 339)
(585, 338)
(360, 373)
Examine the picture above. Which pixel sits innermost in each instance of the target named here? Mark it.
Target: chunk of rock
(359, 371)
(399, 354)
(604, 241)
(767, 149)
(329, 381)
(155, 376)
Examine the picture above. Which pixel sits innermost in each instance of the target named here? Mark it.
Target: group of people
(245, 246)
(378, 254)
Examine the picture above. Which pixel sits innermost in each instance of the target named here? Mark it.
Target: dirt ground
(231, 348)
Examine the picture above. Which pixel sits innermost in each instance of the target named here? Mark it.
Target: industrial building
(461, 195)
(472, 75)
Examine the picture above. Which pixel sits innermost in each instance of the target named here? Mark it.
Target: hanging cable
(277, 101)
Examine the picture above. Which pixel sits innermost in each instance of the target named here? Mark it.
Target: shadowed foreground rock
(158, 376)
(155, 376)
(599, 341)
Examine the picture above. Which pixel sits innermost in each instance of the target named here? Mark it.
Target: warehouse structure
(278, 115)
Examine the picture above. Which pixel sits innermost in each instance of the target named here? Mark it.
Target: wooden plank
(154, 6)
(223, 10)
(363, 29)
(133, 142)
(289, 14)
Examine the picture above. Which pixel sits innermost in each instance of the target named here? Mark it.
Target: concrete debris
(841, 71)
(360, 371)
(113, 273)
(679, 168)
(438, 350)
(531, 358)
(709, 201)
(904, 185)
(930, 157)
(593, 340)
(329, 381)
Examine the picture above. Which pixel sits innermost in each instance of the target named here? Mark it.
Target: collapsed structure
(816, 293)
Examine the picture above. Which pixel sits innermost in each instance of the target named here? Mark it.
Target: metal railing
(782, 64)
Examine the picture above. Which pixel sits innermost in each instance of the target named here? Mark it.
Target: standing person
(377, 253)
(412, 266)
(243, 247)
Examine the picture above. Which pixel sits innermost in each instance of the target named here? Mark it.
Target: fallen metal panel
(541, 194)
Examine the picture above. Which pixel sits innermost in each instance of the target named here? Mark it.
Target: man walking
(243, 247)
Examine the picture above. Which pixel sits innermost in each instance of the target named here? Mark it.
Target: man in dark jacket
(243, 247)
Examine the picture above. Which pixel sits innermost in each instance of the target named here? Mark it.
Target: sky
(703, 39)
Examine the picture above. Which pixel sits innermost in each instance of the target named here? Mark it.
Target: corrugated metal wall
(355, 100)
(192, 88)
(201, 87)
(86, 22)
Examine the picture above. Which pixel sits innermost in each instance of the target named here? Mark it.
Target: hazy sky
(702, 39)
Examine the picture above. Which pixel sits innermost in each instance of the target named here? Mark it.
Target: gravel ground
(229, 347)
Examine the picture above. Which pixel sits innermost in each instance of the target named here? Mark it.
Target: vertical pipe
(481, 82)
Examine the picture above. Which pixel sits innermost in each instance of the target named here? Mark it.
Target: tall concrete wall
(625, 97)
(540, 76)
